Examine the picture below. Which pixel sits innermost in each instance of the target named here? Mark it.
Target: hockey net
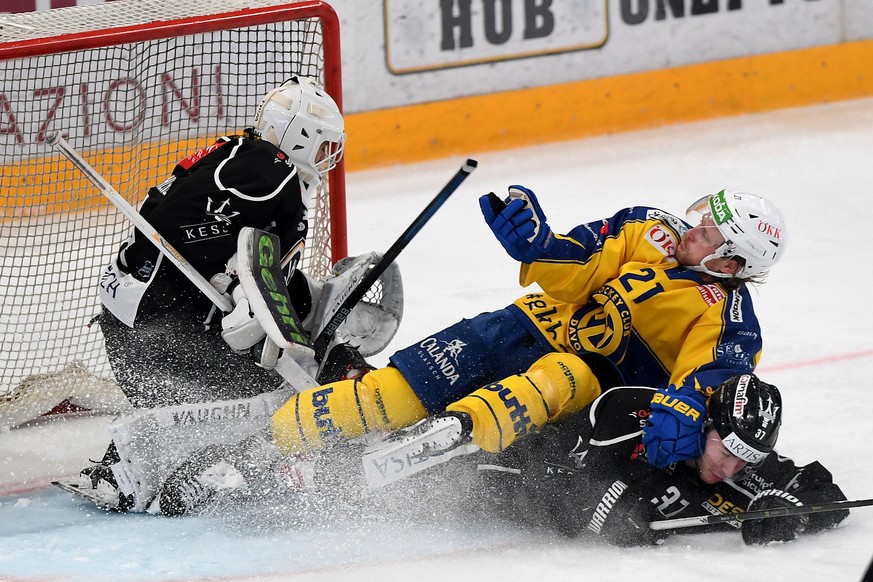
(134, 86)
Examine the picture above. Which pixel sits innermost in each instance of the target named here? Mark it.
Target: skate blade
(87, 494)
(398, 458)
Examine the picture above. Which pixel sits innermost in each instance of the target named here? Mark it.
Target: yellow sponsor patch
(671, 402)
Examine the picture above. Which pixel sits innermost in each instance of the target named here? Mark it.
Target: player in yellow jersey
(640, 298)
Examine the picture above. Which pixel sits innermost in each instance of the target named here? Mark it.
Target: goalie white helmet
(303, 121)
(752, 227)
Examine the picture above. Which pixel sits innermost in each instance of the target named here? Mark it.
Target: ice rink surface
(816, 163)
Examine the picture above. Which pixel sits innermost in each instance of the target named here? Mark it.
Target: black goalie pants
(172, 358)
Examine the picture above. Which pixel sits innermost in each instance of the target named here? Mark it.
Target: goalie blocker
(264, 321)
(262, 304)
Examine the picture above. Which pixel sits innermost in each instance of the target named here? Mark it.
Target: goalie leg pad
(315, 419)
(555, 386)
(150, 441)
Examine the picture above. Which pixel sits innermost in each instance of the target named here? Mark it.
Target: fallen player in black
(589, 473)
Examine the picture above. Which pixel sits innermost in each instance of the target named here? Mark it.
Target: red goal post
(134, 86)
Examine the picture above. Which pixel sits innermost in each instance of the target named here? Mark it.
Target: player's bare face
(717, 463)
(698, 243)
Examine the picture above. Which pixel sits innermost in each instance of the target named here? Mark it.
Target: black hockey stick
(322, 342)
(757, 514)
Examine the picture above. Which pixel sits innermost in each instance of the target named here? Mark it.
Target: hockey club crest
(579, 451)
(218, 227)
(602, 326)
(218, 214)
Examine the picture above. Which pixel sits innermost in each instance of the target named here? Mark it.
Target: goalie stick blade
(404, 454)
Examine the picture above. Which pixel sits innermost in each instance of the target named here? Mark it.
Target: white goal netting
(134, 86)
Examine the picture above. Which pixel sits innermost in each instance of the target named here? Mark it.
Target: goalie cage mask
(303, 121)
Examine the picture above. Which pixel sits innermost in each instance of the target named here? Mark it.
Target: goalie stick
(55, 140)
(683, 522)
(322, 342)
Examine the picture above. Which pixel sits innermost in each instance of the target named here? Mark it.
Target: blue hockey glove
(675, 429)
(518, 223)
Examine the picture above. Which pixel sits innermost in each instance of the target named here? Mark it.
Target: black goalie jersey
(201, 208)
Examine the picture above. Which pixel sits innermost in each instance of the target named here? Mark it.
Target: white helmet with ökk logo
(752, 227)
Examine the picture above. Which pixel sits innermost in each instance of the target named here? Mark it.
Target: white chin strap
(725, 251)
(701, 268)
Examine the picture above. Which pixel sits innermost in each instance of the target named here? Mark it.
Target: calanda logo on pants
(443, 358)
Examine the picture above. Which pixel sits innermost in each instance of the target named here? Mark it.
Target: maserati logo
(768, 412)
(579, 451)
(218, 213)
(209, 230)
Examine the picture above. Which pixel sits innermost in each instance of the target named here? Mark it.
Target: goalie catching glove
(373, 322)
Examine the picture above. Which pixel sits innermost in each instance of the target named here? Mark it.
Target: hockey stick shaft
(683, 522)
(55, 140)
(327, 334)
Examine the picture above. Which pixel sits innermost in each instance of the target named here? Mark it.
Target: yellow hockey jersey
(612, 287)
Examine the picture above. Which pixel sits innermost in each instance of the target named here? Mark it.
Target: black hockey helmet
(746, 414)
